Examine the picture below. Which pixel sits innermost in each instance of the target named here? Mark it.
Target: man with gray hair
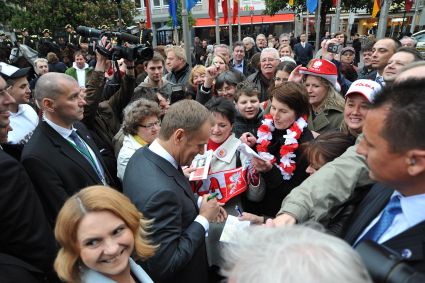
(296, 254)
(61, 157)
(408, 41)
(261, 42)
(41, 67)
(284, 39)
(269, 60)
(249, 43)
(177, 63)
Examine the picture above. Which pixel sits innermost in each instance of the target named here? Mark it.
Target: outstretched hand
(295, 75)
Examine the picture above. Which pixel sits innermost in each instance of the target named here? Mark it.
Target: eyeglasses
(225, 89)
(270, 60)
(150, 126)
(5, 90)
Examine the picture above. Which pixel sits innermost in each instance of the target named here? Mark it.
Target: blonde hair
(197, 70)
(94, 199)
(332, 98)
(178, 51)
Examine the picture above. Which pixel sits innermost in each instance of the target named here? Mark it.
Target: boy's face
(248, 106)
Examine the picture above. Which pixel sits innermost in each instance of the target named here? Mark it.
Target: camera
(333, 48)
(386, 266)
(136, 52)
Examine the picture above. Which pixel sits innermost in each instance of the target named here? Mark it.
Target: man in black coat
(303, 51)
(155, 183)
(61, 157)
(145, 34)
(393, 214)
(27, 246)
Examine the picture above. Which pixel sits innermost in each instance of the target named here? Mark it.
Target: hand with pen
(254, 219)
(210, 208)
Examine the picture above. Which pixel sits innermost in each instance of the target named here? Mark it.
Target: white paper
(232, 228)
(201, 163)
(249, 152)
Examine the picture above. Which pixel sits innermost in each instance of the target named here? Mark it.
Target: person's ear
(47, 104)
(415, 162)
(178, 136)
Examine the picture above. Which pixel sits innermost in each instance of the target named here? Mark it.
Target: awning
(246, 20)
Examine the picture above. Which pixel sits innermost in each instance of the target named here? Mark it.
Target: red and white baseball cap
(322, 68)
(367, 88)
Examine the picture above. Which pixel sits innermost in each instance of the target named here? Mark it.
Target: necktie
(379, 80)
(392, 209)
(82, 148)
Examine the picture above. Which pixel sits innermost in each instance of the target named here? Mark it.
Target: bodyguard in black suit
(393, 213)
(303, 51)
(155, 183)
(60, 157)
(27, 246)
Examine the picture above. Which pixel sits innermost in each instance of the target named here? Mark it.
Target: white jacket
(129, 146)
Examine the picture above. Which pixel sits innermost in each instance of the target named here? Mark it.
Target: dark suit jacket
(162, 193)
(303, 55)
(246, 67)
(25, 234)
(57, 169)
(412, 239)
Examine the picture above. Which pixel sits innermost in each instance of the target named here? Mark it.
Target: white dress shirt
(413, 212)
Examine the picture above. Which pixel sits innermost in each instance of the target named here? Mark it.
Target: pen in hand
(214, 195)
(238, 210)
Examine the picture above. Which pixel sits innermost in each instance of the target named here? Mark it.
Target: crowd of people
(96, 158)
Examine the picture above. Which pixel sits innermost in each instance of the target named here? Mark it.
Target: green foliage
(191, 20)
(55, 14)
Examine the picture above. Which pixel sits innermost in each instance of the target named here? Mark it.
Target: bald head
(51, 85)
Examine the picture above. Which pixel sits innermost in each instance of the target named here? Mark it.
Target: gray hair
(248, 39)
(38, 60)
(50, 86)
(272, 51)
(409, 38)
(295, 254)
(284, 35)
(178, 52)
(261, 35)
(222, 46)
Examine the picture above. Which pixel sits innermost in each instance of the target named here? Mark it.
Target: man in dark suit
(393, 213)
(239, 62)
(61, 158)
(155, 183)
(303, 51)
(27, 246)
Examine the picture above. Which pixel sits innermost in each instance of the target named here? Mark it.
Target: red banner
(235, 10)
(148, 14)
(408, 5)
(227, 183)
(211, 4)
(225, 11)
